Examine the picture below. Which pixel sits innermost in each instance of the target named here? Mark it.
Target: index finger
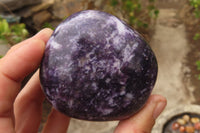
(21, 60)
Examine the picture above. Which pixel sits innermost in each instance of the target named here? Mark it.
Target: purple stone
(96, 67)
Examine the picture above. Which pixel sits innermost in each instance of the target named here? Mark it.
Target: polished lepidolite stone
(95, 67)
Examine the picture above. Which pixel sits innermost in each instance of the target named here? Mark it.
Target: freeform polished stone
(95, 67)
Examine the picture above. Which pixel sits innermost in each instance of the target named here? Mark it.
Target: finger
(42, 35)
(13, 68)
(28, 51)
(56, 123)
(28, 106)
(144, 120)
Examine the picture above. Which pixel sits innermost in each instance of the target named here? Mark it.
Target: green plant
(114, 2)
(13, 33)
(134, 11)
(198, 68)
(4, 28)
(48, 25)
(196, 36)
(196, 10)
(1, 56)
(196, 5)
(198, 65)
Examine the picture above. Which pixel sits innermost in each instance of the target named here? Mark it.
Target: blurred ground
(176, 54)
(171, 46)
(3, 48)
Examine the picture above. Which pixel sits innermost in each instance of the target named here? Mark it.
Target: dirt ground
(177, 54)
(193, 56)
(171, 46)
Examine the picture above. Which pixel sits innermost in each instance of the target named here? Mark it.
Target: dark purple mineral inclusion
(97, 68)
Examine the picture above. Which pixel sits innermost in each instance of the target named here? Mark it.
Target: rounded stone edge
(169, 114)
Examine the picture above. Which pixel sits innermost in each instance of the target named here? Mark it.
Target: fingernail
(158, 109)
(47, 31)
(44, 34)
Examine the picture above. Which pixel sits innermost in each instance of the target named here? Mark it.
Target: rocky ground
(172, 43)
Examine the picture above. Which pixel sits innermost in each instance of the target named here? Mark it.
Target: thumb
(144, 120)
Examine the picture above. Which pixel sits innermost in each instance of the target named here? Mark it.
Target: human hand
(21, 111)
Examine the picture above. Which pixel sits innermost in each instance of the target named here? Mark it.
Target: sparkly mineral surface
(97, 68)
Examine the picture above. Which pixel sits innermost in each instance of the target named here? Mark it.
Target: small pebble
(189, 129)
(185, 124)
(197, 126)
(195, 120)
(175, 126)
(186, 118)
(182, 129)
(181, 121)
